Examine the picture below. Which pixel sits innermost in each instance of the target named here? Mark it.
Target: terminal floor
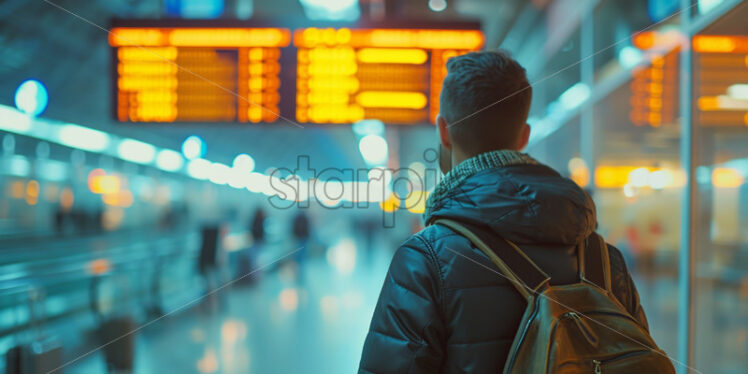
(312, 323)
(315, 323)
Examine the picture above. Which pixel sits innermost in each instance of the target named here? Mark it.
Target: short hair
(485, 100)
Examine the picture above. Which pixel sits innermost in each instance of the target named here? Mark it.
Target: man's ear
(442, 129)
(524, 137)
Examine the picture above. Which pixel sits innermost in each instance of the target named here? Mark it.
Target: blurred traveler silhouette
(248, 256)
(301, 228)
(210, 262)
(59, 220)
(208, 249)
(301, 232)
(445, 305)
(257, 227)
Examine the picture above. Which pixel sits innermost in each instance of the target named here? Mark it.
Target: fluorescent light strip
(169, 160)
(136, 151)
(84, 138)
(95, 141)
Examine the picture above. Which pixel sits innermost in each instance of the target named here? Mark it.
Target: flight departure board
(721, 80)
(198, 72)
(654, 91)
(394, 75)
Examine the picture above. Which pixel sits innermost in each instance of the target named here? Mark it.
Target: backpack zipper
(597, 364)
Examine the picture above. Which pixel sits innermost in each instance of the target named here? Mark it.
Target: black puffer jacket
(439, 312)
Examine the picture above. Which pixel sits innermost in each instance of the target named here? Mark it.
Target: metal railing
(86, 279)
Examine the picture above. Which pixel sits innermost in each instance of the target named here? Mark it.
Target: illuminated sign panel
(655, 88)
(654, 91)
(721, 80)
(394, 75)
(195, 73)
(198, 74)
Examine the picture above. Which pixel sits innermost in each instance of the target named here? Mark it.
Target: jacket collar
(471, 166)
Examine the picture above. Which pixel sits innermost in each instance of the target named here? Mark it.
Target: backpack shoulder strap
(522, 272)
(594, 262)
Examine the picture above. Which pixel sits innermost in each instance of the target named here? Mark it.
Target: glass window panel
(720, 117)
(703, 7)
(561, 71)
(616, 22)
(558, 149)
(638, 185)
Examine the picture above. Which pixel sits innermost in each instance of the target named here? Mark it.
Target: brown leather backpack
(574, 328)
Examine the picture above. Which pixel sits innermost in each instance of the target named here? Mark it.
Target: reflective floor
(286, 322)
(313, 321)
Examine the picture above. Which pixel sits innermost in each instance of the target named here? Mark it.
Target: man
(440, 312)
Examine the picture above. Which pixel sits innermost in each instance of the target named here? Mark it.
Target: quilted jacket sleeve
(407, 330)
(623, 286)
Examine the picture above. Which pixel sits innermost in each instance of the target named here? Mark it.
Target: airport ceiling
(62, 43)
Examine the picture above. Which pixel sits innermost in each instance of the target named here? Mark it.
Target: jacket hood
(526, 203)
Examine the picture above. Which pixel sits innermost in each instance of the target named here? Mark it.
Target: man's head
(485, 100)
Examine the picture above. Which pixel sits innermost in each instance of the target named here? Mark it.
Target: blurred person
(60, 219)
(301, 228)
(211, 262)
(301, 232)
(208, 259)
(257, 226)
(248, 256)
(438, 311)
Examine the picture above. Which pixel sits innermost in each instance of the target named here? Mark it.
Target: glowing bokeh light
(31, 97)
(289, 299)
(219, 173)
(136, 151)
(437, 5)
(199, 168)
(374, 149)
(193, 147)
(84, 138)
(244, 162)
(169, 160)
